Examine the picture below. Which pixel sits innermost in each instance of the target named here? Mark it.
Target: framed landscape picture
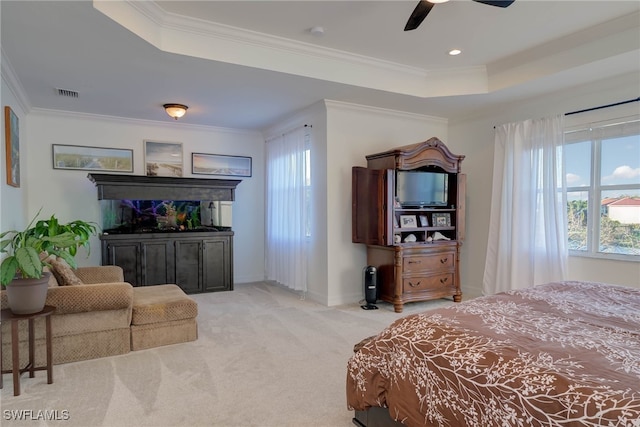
(92, 158)
(219, 164)
(12, 147)
(163, 158)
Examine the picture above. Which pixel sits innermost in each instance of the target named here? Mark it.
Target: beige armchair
(90, 321)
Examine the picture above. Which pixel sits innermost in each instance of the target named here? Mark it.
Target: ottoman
(162, 315)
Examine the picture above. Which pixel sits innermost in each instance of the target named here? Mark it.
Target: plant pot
(27, 296)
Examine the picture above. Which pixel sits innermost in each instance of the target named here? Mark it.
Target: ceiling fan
(424, 7)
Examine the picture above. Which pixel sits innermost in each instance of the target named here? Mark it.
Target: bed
(559, 354)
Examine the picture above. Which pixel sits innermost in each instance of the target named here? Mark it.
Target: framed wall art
(219, 164)
(163, 158)
(82, 157)
(12, 147)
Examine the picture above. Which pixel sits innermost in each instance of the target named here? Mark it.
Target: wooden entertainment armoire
(413, 244)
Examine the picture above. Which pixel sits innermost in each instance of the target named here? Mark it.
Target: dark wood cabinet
(195, 261)
(413, 236)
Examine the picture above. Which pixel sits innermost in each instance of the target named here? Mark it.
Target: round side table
(8, 315)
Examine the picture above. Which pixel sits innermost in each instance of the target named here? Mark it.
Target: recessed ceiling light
(437, 1)
(454, 52)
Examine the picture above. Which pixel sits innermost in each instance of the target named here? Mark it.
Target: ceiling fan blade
(498, 3)
(419, 13)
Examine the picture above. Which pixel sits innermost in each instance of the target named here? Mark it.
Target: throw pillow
(53, 282)
(64, 274)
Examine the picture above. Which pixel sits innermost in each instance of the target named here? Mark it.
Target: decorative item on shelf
(424, 221)
(439, 236)
(175, 110)
(441, 219)
(30, 251)
(408, 221)
(410, 238)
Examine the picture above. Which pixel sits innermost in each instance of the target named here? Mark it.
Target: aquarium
(153, 216)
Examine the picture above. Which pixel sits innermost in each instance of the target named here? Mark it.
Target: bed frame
(375, 417)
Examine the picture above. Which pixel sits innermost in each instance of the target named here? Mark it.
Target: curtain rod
(288, 131)
(602, 106)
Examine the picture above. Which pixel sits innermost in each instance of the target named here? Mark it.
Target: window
(287, 226)
(602, 161)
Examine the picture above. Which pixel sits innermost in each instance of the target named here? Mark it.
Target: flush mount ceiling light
(175, 110)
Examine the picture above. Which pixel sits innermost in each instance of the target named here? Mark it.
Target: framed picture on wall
(163, 158)
(220, 164)
(92, 158)
(12, 147)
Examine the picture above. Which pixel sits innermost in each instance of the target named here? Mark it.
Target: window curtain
(527, 231)
(286, 213)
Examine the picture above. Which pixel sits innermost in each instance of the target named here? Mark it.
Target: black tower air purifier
(370, 287)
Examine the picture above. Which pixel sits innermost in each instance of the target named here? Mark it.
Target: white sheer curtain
(286, 227)
(527, 231)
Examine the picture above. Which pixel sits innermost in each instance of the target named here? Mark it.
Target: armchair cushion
(92, 297)
(100, 274)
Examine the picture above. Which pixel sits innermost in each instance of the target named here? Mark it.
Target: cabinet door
(460, 217)
(125, 255)
(217, 265)
(372, 206)
(188, 262)
(157, 263)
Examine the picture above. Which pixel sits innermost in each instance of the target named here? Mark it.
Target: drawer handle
(414, 262)
(444, 260)
(444, 280)
(414, 285)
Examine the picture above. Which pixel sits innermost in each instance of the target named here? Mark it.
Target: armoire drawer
(422, 283)
(419, 263)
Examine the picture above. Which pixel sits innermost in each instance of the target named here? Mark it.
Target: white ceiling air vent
(67, 93)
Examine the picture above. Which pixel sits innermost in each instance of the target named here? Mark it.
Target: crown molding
(348, 106)
(13, 83)
(140, 122)
(218, 42)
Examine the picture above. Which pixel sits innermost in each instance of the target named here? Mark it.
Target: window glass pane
(577, 203)
(621, 160)
(620, 222)
(578, 164)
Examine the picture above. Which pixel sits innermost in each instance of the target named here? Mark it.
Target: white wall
(474, 137)
(343, 134)
(354, 131)
(71, 195)
(12, 199)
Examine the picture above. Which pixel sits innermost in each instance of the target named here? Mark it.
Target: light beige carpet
(264, 357)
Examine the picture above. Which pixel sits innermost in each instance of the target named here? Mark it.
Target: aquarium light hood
(138, 187)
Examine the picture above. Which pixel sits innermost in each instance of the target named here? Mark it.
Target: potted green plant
(21, 272)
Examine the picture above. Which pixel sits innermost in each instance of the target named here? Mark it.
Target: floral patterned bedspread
(560, 354)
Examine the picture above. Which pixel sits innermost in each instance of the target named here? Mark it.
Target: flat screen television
(417, 189)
